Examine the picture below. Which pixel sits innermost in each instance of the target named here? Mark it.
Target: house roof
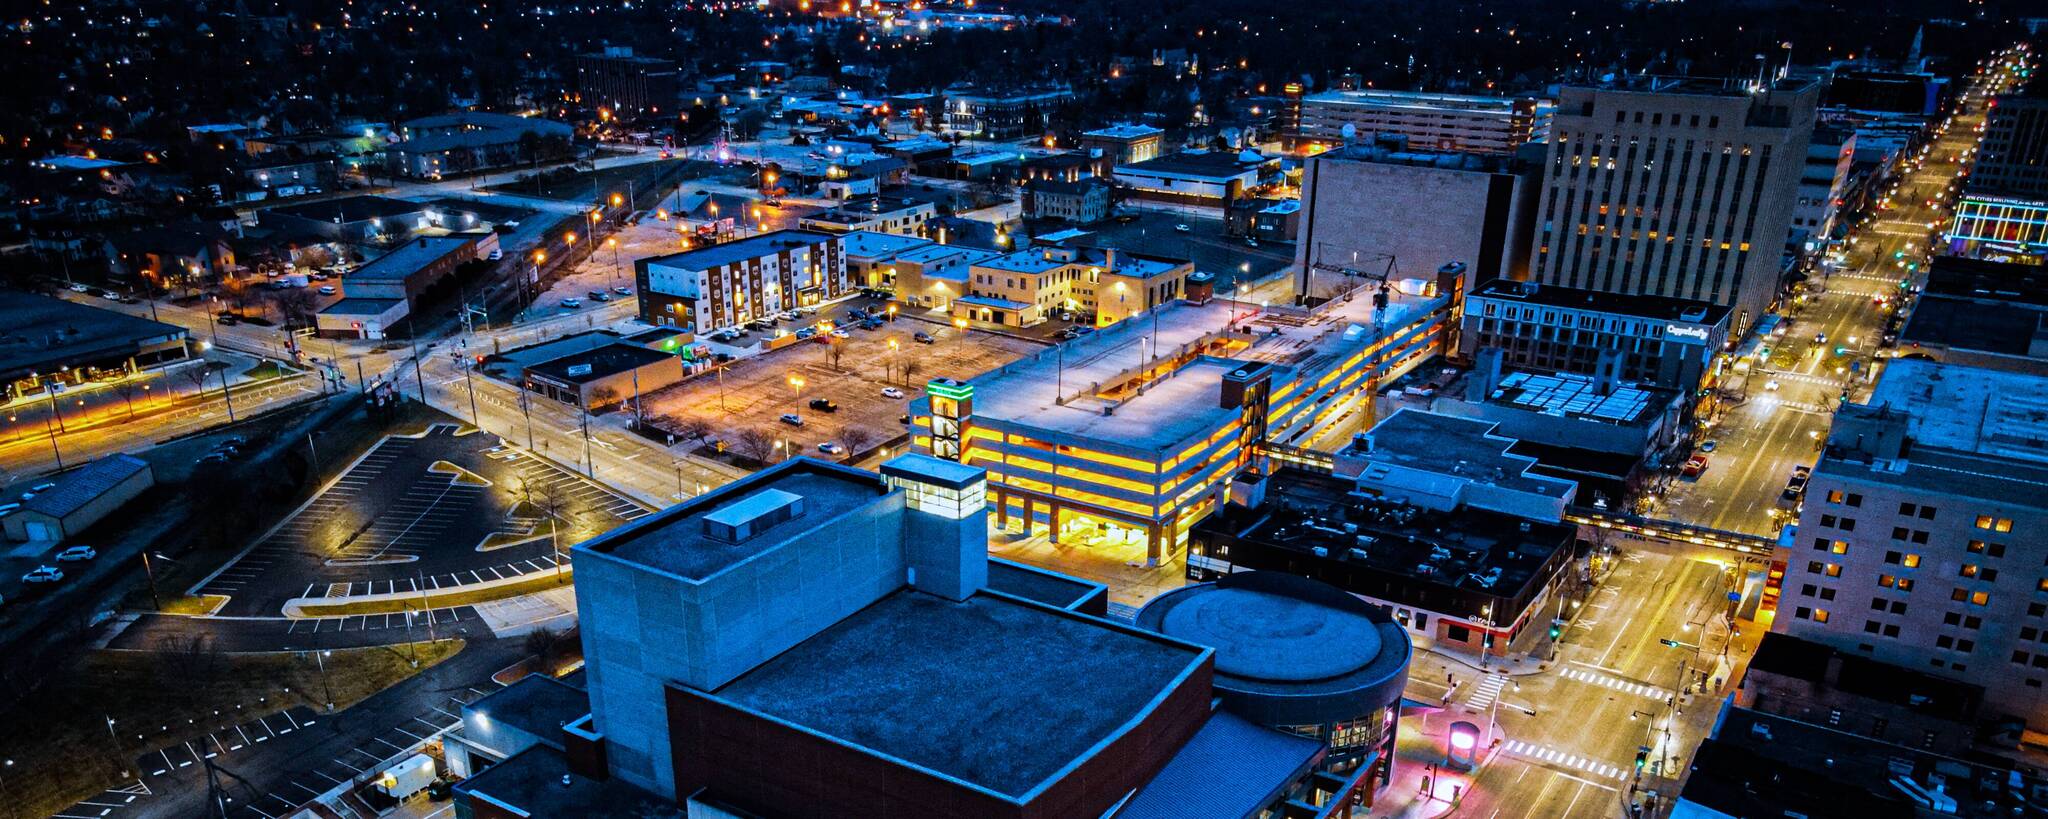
(85, 484)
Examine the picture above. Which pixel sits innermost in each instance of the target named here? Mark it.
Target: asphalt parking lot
(400, 520)
(755, 391)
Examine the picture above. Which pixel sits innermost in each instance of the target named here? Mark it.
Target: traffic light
(1556, 631)
(1642, 759)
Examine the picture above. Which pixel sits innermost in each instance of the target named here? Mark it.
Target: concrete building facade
(736, 282)
(1444, 122)
(1921, 544)
(1675, 187)
(1365, 207)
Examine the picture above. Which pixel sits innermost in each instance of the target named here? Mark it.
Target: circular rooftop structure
(1289, 651)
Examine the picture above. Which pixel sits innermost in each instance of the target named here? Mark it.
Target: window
(1911, 561)
(1987, 549)
(1854, 499)
(1891, 630)
(1840, 547)
(1820, 615)
(1906, 510)
(1898, 607)
(1827, 520)
(1994, 524)
(1968, 570)
(1835, 496)
(1926, 513)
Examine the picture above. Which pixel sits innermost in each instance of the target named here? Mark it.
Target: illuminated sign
(1696, 333)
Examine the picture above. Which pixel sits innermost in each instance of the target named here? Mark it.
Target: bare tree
(910, 368)
(603, 397)
(695, 429)
(832, 353)
(754, 444)
(857, 440)
(296, 305)
(550, 647)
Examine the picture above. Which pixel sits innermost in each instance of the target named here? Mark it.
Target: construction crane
(1354, 270)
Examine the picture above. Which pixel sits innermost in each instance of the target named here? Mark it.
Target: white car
(326, 290)
(43, 574)
(1181, 228)
(77, 554)
(891, 392)
(79, 288)
(572, 303)
(830, 448)
(1771, 385)
(792, 419)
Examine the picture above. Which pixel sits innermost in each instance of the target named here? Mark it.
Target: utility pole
(227, 396)
(149, 570)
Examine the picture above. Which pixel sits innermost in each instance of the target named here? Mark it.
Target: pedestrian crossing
(1563, 760)
(1616, 683)
(1486, 692)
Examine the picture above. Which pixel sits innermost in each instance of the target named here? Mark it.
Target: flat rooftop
(1570, 395)
(1217, 164)
(1415, 101)
(533, 781)
(352, 209)
(1032, 583)
(935, 252)
(870, 244)
(1453, 446)
(862, 210)
(748, 248)
(43, 333)
(1973, 410)
(355, 306)
(537, 704)
(676, 540)
(1022, 392)
(1664, 308)
(604, 361)
(1969, 324)
(983, 690)
(407, 259)
(1124, 130)
(1459, 548)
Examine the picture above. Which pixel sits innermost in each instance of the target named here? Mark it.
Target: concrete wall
(1423, 216)
(643, 629)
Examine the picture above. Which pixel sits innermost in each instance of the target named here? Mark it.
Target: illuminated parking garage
(1121, 440)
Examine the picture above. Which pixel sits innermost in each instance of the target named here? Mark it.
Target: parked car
(1797, 485)
(806, 332)
(1709, 446)
(1250, 241)
(830, 448)
(841, 334)
(623, 290)
(792, 419)
(79, 288)
(326, 290)
(572, 303)
(227, 319)
(43, 574)
(77, 554)
(824, 405)
(601, 296)
(791, 315)
(1069, 334)
(594, 293)
(1771, 385)
(921, 337)
(891, 392)
(1694, 466)
(1181, 228)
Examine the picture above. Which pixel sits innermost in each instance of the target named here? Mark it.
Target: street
(1792, 396)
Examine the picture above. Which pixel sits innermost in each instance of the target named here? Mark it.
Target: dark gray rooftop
(537, 704)
(990, 691)
(42, 333)
(351, 209)
(674, 539)
(605, 361)
(748, 248)
(409, 258)
(81, 486)
(1230, 767)
(1451, 445)
(532, 781)
(1037, 584)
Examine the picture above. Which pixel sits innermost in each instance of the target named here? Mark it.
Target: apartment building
(736, 282)
(1922, 539)
(878, 214)
(1674, 186)
(1446, 122)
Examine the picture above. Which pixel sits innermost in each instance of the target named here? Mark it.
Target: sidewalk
(1423, 787)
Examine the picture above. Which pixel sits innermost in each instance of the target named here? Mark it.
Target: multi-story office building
(1026, 287)
(1125, 143)
(821, 641)
(1122, 439)
(1921, 542)
(1368, 207)
(2014, 159)
(1445, 122)
(1675, 187)
(1661, 341)
(623, 83)
(736, 282)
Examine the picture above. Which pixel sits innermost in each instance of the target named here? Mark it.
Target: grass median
(460, 596)
(85, 726)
